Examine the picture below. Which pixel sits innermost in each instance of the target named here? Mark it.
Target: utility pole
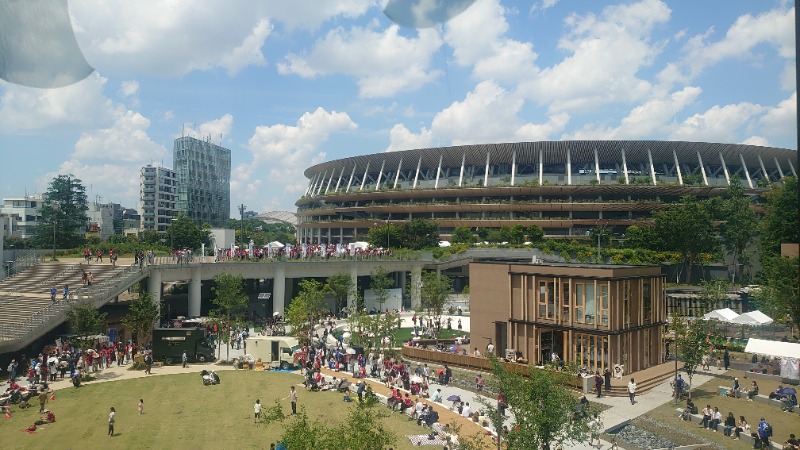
(241, 232)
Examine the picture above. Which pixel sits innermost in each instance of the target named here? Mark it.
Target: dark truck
(170, 343)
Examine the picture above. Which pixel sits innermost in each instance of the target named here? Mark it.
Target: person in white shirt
(632, 390)
(437, 396)
(466, 411)
(257, 411)
(490, 348)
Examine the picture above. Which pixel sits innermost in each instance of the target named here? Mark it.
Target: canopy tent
(444, 244)
(722, 315)
(274, 244)
(754, 318)
(360, 244)
(787, 351)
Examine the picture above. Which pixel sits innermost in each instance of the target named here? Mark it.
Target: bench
(744, 436)
(758, 398)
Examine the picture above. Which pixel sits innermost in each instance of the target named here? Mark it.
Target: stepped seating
(646, 380)
(27, 293)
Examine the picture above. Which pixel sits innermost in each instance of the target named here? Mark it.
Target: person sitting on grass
(751, 394)
(407, 403)
(730, 424)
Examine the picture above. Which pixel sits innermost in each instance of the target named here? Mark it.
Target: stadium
(565, 187)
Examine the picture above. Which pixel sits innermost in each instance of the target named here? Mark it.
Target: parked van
(273, 350)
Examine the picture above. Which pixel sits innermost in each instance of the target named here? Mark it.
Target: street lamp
(56, 209)
(241, 232)
(172, 234)
(387, 233)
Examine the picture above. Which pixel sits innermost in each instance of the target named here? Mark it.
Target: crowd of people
(299, 251)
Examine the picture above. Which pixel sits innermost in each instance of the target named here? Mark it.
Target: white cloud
(312, 13)
(542, 6)
(606, 54)
(756, 140)
(774, 28)
(174, 37)
(384, 62)
(782, 119)
(129, 88)
(215, 129)
(718, 123)
(24, 110)
(477, 39)
(651, 119)
(487, 114)
(281, 153)
(401, 138)
(125, 141)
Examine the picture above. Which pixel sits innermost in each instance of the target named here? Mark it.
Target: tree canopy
(380, 283)
(262, 233)
(781, 223)
(435, 291)
(685, 228)
(184, 233)
(64, 207)
(306, 308)
(416, 234)
(142, 313)
(85, 320)
(340, 286)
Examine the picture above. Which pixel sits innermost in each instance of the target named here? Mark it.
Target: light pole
(387, 234)
(172, 234)
(56, 210)
(241, 232)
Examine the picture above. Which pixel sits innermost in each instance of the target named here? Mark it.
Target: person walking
(594, 431)
(726, 358)
(66, 293)
(598, 384)
(607, 378)
(257, 411)
(53, 294)
(141, 406)
(632, 391)
(183, 359)
(293, 399)
(111, 415)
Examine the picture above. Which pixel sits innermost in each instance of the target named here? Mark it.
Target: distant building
(204, 172)
(278, 217)
(23, 214)
(101, 220)
(158, 198)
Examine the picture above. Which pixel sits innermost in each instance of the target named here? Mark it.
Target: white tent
(753, 318)
(360, 244)
(787, 351)
(444, 244)
(722, 315)
(274, 244)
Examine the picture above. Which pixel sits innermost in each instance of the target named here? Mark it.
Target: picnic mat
(422, 439)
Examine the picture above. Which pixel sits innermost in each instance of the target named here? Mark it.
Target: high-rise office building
(158, 198)
(204, 172)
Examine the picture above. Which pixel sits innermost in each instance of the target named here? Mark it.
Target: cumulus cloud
(487, 114)
(162, 38)
(606, 54)
(655, 117)
(782, 119)
(129, 88)
(214, 129)
(281, 153)
(310, 14)
(774, 28)
(24, 110)
(384, 62)
(718, 123)
(477, 38)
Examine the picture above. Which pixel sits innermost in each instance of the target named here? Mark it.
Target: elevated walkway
(476, 254)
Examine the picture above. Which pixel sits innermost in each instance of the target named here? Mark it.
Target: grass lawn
(707, 394)
(179, 412)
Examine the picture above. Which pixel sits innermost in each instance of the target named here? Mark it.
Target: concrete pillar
(702, 168)
(194, 293)
(154, 287)
(351, 296)
(416, 288)
(279, 290)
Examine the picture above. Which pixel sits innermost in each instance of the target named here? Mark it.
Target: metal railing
(27, 260)
(58, 276)
(45, 318)
(403, 256)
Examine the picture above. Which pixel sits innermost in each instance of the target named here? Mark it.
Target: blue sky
(285, 85)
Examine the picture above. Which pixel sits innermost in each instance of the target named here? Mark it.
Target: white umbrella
(351, 351)
(416, 379)
(444, 244)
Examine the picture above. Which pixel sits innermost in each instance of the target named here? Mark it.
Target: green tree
(230, 303)
(691, 340)
(780, 294)
(516, 234)
(142, 313)
(380, 283)
(712, 294)
(738, 227)
(543, 408)
(462, 235)
(340, 286)
(535, 233)
(386, 235)
(184, 233)
(686, 228)
(639, 237)
(85, 320)
(64, 208)
(419, 234)
(369, 330)
(363, 428)
(781, 223)
(435, 291)
(306, 308)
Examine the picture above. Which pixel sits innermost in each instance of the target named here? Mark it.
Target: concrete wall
(489, 288)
